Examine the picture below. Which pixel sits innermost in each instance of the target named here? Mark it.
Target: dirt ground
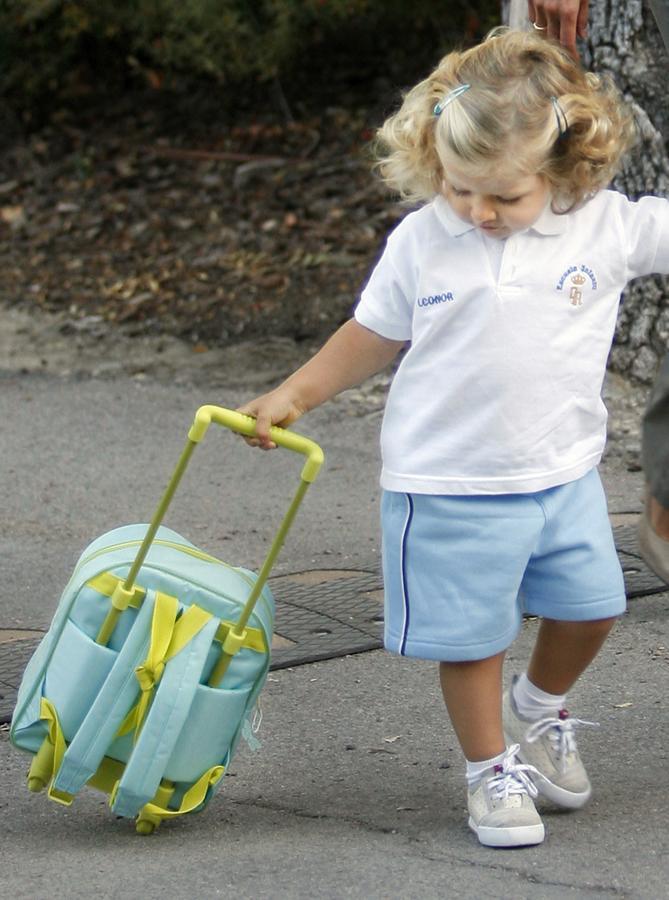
(222, 235)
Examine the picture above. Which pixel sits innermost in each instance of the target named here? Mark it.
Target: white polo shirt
(500, 389)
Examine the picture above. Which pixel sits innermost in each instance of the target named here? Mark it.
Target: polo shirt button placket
(508, 264)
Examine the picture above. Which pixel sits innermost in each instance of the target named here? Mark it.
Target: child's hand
(276, 408)
(352, 354)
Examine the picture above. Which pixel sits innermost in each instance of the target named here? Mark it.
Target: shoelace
(560, 731)
(512, 777)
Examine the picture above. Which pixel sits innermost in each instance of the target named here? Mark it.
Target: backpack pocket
(216, 715)
(77, 670)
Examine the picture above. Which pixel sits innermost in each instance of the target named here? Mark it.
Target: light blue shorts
(460, 571)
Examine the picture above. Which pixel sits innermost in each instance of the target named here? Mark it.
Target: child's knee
(602, 626)
(591, 627)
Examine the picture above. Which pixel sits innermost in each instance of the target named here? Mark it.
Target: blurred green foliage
(63, 49)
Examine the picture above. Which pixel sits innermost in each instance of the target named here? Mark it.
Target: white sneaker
(501, 808)
(549, 746)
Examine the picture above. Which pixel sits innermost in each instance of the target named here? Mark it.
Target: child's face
(499, 206)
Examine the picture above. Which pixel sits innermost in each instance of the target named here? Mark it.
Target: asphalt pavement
(358, 788)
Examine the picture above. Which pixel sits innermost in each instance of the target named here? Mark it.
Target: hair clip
(562, 123)
(450, 96)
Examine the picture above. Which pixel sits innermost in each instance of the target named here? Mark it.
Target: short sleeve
(385, 305)
(646, 233)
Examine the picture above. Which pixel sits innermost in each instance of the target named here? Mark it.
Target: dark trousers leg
(655, 437)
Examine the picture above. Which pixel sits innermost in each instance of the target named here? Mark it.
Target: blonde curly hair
(523, 91)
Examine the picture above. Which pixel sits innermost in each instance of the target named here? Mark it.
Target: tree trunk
(624, 42)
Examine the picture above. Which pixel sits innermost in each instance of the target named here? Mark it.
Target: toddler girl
(503, 287)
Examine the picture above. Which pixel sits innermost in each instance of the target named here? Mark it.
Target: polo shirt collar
(452, 223)
(547, 223)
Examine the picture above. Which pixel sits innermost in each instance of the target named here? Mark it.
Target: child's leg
(451, 585)
(574, 582)
(534, 714)
(472, 690)
(564, 650)
(473, 695)
(499, 795)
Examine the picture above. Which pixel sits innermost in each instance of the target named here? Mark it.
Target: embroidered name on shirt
(436, 298)
(575, 278)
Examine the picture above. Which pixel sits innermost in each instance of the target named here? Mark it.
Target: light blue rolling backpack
(150, 671)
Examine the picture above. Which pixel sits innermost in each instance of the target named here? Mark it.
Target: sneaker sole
(561, 796)
(518, 836)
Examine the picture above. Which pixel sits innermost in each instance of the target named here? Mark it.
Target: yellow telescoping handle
(244, 425)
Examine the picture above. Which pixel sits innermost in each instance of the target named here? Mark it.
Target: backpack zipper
(191, 551)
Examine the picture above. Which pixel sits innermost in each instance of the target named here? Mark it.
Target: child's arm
(351, 355)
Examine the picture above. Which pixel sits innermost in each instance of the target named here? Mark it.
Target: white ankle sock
(532, 702)
(476, 769)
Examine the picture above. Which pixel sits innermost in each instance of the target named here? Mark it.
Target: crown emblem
(578, 279)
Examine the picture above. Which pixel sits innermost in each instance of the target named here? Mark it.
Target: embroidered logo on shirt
(575, 280)
(436, 298)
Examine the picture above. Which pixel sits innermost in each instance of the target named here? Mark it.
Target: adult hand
(563, 20)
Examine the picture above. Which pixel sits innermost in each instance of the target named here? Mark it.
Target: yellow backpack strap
(188, 625)
(49, 757)
(152, 813)
(169, 635)
(106, 583)
(150, 671)
(254, 638)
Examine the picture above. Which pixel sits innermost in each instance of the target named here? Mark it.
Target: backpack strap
(116, 696)
(158, 729)
(152, 814)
